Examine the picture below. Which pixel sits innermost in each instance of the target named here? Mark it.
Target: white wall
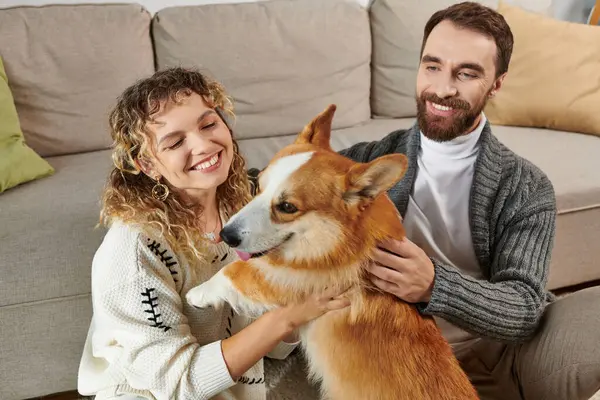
(150, 5)
(569, 10)
(573, 10)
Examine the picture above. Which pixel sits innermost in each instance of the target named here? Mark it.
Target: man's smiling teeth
(213, 160)
(441, 108)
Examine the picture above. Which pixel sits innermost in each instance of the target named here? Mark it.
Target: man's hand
(408, 273)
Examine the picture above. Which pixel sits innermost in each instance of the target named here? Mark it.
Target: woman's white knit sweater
(145, 339)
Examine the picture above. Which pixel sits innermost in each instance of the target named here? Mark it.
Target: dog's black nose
(230, 236)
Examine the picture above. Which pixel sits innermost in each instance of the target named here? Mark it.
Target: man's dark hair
(481, 19)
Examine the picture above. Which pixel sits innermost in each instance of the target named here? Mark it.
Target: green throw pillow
(18, 162)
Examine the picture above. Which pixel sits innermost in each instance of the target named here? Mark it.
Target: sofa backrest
(282, 62)
(66, 65)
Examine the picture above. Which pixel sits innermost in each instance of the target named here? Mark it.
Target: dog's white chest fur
(320, 345)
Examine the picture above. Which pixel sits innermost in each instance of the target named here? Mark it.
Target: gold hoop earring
(160, 191)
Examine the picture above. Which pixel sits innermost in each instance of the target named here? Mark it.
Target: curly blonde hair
(128, 193)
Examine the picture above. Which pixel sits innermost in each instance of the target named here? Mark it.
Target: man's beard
(442, 129)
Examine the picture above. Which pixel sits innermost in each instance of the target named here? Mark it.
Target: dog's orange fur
(252, 283)
(379, 348)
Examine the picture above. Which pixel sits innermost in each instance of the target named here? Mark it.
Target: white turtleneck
(437, 216)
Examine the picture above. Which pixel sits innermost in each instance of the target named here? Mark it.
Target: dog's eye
(286, 207)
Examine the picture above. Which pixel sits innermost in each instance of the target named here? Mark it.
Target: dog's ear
(366, 181)
(318, 131)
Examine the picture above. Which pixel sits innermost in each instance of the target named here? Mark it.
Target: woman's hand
(252, 343)
(297, 315)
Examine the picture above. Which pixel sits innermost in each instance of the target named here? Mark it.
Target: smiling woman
(194, 149)
(169, 145)
(177, 178)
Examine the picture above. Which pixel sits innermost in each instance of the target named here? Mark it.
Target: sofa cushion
(48, 230)
(282, 62)
(41, 346)
(576, 252)
(575, 180)
(397, 29)
(66, 65)
(258, 152)
(563, 94)
(571, 162)
(18, 162)
(569, 159)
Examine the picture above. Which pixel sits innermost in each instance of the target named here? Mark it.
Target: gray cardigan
(512, 217)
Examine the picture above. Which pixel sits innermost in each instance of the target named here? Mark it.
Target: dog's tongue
(243, 255)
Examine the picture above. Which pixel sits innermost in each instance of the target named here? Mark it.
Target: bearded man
(480, 225)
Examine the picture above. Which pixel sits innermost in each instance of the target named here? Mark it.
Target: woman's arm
(285, 347)
(140, 327)
(142, 332)
(244, 349)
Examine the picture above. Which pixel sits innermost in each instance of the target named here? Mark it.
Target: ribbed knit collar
(486, 179)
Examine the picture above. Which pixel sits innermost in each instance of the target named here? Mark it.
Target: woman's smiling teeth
(207, 164)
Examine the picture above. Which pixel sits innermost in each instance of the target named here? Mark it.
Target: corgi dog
(313, 224)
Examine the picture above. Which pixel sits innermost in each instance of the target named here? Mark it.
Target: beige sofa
(283, 62)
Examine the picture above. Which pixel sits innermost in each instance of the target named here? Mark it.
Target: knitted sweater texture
(512, 219)
(144, 339)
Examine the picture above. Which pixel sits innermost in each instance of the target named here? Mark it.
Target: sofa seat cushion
(282, 62)
(41, 346)
(258, 152)
(53, 220)
(48, 230)
(572, 164)
(576, 251)
(569, 159)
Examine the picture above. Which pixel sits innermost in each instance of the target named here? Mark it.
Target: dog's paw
(203, 296)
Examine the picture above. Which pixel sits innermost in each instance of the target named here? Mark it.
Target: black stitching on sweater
(167, 260)
(229, 320)
(247, 381)
(242, 379)
(152, 302)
